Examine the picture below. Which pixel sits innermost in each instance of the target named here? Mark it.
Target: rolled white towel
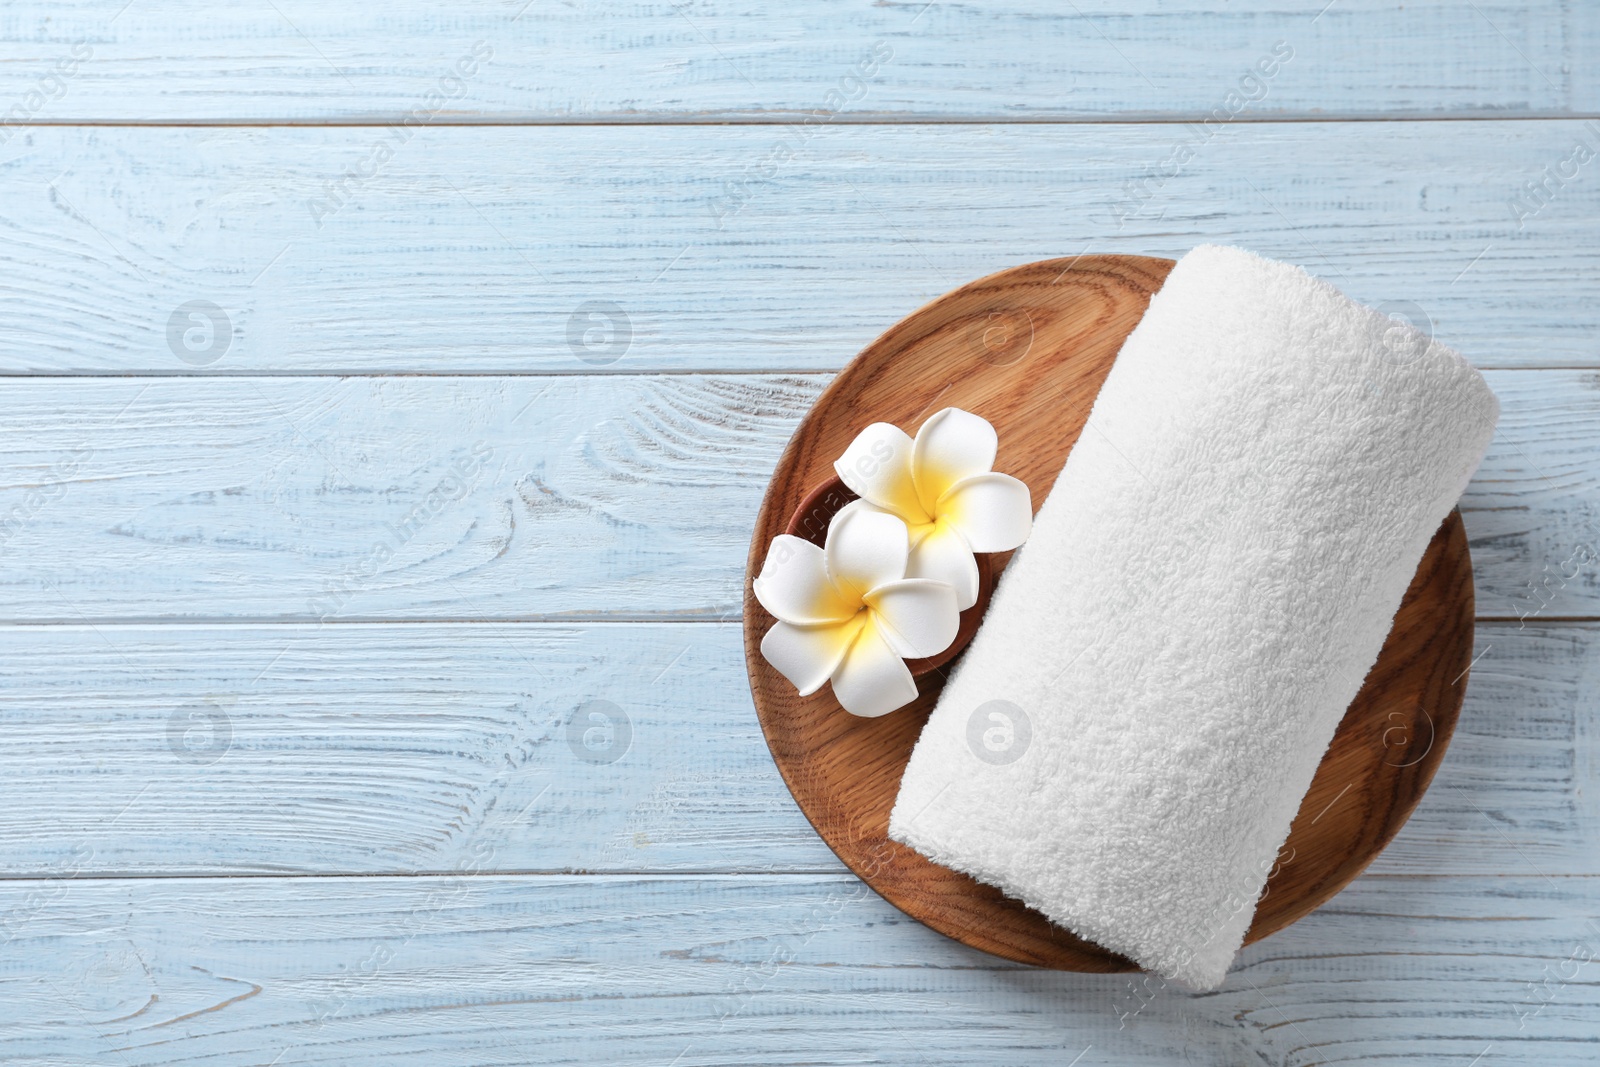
(1206, 586)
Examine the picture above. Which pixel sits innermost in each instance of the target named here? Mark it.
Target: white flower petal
(994, 512)
(808, 655)
(794, 584)
(917, 616)
(873, 680)
(866, 547)
(867, 505)
(952, 445)
(945, 556)
(877, 467)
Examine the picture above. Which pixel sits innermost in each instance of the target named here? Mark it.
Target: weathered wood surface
(479, 250)
(304, 61)
(730, 969)
(339, 499)
(612, 496)
(382, 748)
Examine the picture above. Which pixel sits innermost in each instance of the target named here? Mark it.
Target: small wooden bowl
(1028, 349)
(810, 522)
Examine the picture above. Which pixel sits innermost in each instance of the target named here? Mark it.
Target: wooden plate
(1028, 349)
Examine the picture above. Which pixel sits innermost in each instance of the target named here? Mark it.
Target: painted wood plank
(340, 499)
(525, 497)
(389, 748)
(776, 970)
(1517, 792)
(401, 748)
(576, 250)
(1533, 508)
(296, 60)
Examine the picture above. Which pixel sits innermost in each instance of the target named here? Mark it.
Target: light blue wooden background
(299, 611)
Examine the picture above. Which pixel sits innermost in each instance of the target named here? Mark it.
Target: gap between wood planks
(556, 621)
(567, 874)
(557, 372)
(864, 118)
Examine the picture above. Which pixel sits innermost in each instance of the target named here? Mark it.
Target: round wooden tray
(1028, 349)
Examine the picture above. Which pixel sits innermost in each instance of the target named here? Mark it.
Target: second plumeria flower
(942, 485)
(848, 614)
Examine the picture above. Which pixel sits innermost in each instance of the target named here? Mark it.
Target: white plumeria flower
(847, 613)
(943, 487)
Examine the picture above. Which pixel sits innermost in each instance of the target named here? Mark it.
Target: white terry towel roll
(1205, 588)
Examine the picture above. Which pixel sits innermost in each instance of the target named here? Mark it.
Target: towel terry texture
(1164, 662)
